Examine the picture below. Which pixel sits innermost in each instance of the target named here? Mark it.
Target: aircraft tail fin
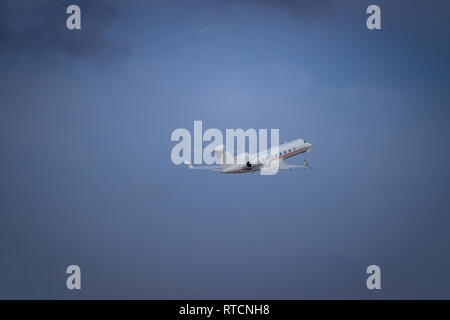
(224, 158)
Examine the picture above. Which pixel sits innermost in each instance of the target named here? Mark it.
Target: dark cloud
(297, 8)
(40, 26)
(5, 32)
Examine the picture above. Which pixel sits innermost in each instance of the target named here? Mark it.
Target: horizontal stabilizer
(214, 168)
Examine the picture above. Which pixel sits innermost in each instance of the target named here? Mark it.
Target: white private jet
(264, 160)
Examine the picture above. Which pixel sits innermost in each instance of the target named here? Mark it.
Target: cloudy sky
(86, 175)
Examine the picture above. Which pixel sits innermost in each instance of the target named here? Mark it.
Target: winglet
(307, 166)
(188, 164)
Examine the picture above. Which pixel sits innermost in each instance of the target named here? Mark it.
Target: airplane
(245, 163)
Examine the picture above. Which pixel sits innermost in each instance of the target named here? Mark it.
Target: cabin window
(280, 153)
(285, 152)
(289, 150)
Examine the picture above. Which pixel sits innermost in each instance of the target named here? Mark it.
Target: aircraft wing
(287, 166)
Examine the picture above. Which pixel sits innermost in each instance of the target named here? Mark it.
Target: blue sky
(87, 179)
